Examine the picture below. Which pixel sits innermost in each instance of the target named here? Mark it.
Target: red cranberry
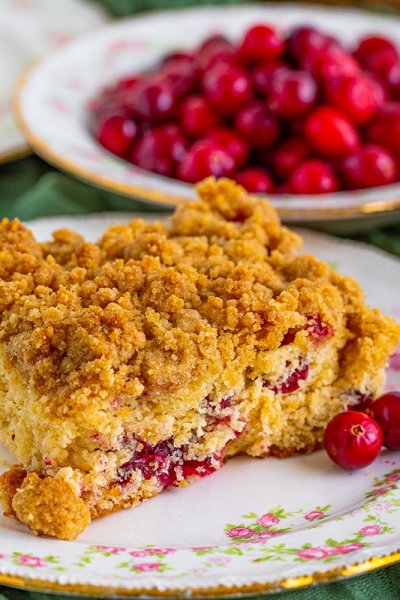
(353, 440)
(180, 75)
(288, 155)
(261, 75)
(384, 129)
(331, 63)
(291, 93)
(254, 180)
(116, 133)
(197, 115)
(308, 40)
(370, 166)
(313, 176)
(153, 101)
(203, 159)
(370, 45)
(257, 126)
(216, 49)
(233, 144)
(158, 149)
(331, 133)
(182, 57)
(386, 410)
(358, 96)
(261, 43)
(228, 87)
(386, 66)
(291, 384)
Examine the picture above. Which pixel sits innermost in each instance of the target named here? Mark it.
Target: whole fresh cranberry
(215, 49)
(358, 96)
(384, 129)
(261, 43)
(369, 166)
(197, 115)
(313, 176)
(292, 93)
(255, 124)
(239, 149)
(353, 440)
(116, 133)
(330, 63)
(152, 153)
(180, 75)
(288, 155)
(228, 87)
(164, 140)
(153, 100)
(305, 40)
(254, 180)
(262, 74)
(386, 410)
(372, 44)
(205, 158)
(330, 132)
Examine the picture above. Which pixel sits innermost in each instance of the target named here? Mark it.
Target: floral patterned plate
(257, 525)
(52, 98)
(28, 28)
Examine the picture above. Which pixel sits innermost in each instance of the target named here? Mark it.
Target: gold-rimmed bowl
(51, 103)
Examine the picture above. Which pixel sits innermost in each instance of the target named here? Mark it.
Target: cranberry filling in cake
(146, 360)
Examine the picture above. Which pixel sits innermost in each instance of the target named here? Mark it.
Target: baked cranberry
(384, 129)
(313, 176)
(292, 93)
(203, 159)
(261, 75)
(288, 155)
(197, 115)
(330, 132)
(254, 180)
(369, 166)
(228, 87)
(292, 382)
(305, 40)
(261, 43)
(358, 96)
(233, 144)
(116, 133)
(256, 125)
(353, 440)
(370, 45)
(386, 410)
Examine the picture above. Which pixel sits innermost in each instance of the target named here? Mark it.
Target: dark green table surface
(30, 188)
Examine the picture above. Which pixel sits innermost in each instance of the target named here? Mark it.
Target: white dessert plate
(257, 526)
(52, 98)
(28, 29)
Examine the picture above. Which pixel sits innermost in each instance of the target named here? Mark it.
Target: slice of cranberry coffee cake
(145, 360)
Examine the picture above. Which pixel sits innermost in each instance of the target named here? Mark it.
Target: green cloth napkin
(30, 188)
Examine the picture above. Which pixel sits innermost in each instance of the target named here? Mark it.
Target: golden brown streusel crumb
(10, 481)
(50, 508)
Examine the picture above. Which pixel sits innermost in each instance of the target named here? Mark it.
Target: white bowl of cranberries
(290, 112)
(300, 103)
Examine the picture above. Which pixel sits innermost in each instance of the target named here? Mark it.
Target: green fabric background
(30, 188)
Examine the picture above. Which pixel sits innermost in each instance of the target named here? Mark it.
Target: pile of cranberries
(354, 438)
(295, 113)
